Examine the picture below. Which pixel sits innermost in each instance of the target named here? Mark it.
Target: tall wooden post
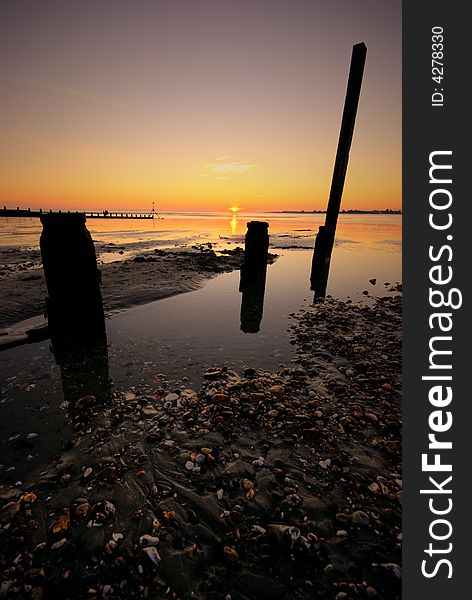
(325, 239)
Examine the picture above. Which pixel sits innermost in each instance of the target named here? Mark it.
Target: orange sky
(196, 105)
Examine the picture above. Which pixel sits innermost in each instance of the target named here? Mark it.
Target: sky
(196, 105)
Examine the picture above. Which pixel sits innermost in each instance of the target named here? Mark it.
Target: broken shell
(62, 523)
(258, 529)
(148, 540)
(169, 515)
(294, 533)
(152, 554)
(396, 569)
(29, 497)
(230, 554)
(82, 509)
(110, 508)
(59, 544)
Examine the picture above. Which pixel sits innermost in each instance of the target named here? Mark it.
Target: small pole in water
(154, 213)
(326, 234)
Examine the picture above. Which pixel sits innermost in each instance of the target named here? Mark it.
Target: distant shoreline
(387, 211)
(354, 211)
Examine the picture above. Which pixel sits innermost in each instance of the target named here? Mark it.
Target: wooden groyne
(105, 214)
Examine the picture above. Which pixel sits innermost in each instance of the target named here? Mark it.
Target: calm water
(182, 335)
(197, 329)
(219, 228)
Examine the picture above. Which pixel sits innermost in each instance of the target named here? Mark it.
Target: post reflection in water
(84, 375)
(74, 309)
(252, 286)
(253, 276)
(321, 264)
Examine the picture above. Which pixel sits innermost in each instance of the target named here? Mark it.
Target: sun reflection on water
(234, 224)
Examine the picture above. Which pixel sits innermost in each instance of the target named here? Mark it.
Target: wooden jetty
(105, 214)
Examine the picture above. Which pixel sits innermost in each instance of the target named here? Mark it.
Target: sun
(234, 209)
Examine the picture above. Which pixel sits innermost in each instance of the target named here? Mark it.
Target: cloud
(218, 168)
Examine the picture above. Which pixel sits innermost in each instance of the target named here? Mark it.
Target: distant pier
(22, 212)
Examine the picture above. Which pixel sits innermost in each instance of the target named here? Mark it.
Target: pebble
(360, 518)
(9, 512)
(243, 406)
(396, 569)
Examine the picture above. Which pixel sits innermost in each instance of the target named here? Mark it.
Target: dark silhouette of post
(326, 233)
(74, 304)
(76, 320)
(253, 275)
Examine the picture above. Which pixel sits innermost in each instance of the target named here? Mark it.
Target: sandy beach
(258, 485)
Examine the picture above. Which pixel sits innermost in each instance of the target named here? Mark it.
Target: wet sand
(259, 485)
(148, 276)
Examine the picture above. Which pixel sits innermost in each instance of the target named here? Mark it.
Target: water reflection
(253, 275)
(85, 376)
(320, 264)
(234, 224)
(252, 285)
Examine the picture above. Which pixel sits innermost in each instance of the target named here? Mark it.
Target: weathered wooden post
(74, 304)
(326, 233)
(253, 276)
(74, 307)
